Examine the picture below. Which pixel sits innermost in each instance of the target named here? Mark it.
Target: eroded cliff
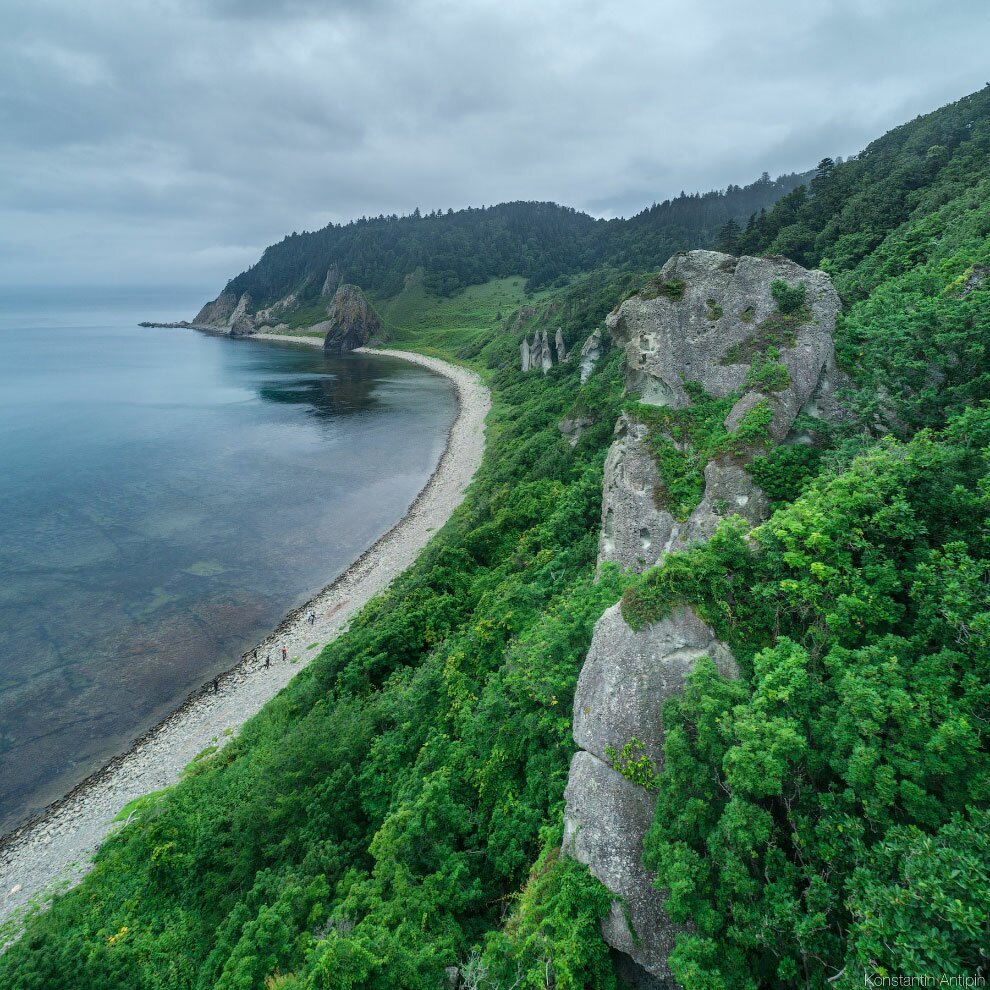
(352, 323)
(722, 356)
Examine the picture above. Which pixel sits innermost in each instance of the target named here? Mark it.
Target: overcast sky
(169, 141)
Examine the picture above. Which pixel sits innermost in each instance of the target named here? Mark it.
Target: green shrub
(789, 298)
(672, 289)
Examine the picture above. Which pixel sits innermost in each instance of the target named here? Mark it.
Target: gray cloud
(171, 141)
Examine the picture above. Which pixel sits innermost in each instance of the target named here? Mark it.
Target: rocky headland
(351, 321)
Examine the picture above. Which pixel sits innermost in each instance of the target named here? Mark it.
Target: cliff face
(227, 314)
(755, 333)
(232, 314)
(352, 323)
(713, 319)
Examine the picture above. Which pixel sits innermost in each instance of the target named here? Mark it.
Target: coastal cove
(56, 844)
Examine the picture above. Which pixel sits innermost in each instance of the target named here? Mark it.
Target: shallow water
(165, 497)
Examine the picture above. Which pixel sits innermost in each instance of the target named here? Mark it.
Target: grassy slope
(461, 324)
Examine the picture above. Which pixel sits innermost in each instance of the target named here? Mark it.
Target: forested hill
(848, 208)
(539, 241)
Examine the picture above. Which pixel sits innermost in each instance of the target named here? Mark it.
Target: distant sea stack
(352, 323)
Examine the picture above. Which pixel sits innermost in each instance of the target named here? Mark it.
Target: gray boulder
(627, 676)
(352, 322)
(635, 531)
(604, 824)
(717, 315)
(729, 491)
(591, 353)
(707, 314)
(624, 682)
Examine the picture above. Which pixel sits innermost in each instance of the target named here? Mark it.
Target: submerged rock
(352, 323)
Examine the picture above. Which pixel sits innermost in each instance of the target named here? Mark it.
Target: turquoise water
(165, 497)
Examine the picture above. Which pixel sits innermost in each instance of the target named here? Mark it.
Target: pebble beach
(54, 851)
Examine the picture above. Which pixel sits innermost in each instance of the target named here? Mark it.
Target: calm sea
(165, 497)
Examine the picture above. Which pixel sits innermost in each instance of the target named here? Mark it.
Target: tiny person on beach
(216, 685)
(268, 661)
(285, 654)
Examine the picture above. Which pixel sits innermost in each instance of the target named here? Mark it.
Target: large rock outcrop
(723, 323)
(539, 354)
(626, 678)
(706, 315)
(707, 318)
(231, 314)
(591, 352)
(216, 313)
(352, 323)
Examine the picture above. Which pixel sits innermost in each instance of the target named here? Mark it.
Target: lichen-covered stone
(605, 820)
(708, 318)
(704, 331)
(718, 306)
(628, 675)
(635, 531)
(729, 491)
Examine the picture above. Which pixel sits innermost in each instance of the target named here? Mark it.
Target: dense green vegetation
(397, 809)
(791, 799)
(825, 815)
(539, 241)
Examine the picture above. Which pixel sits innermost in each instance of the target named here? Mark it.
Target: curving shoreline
(53, 851)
